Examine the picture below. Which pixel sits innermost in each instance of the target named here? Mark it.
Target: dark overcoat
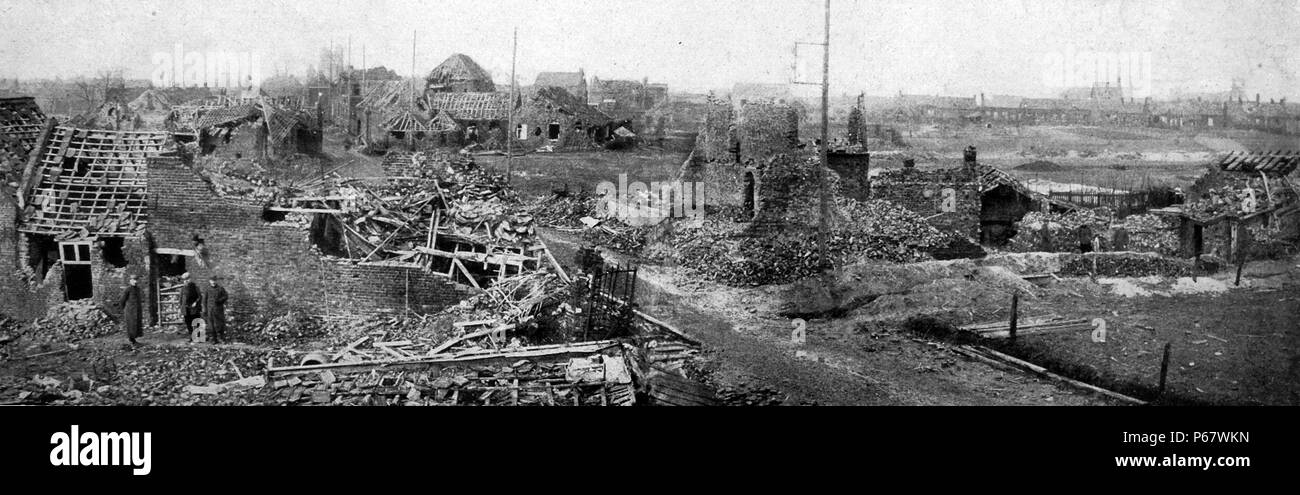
(129, 304)
(214, 308)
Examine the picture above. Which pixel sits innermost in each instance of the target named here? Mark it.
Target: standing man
(191, 307)
(1085, 238)
(129, 305)
(214, 309)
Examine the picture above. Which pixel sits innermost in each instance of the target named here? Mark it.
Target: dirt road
(749, 347)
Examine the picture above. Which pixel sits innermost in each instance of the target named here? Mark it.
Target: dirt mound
(1040, 166)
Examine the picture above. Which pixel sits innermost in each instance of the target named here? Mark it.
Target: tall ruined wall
(765, 129)
(18, 298)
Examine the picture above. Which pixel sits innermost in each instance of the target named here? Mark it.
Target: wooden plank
(992, 354)
(465, 271)
(303, 210)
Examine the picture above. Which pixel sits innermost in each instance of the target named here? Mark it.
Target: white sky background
(882, 47)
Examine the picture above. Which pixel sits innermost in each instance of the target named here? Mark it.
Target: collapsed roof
(280, 122)
(91, 183)
(471, 106)
(559, 99)
(21, 119)
(1277, 163)
(389, 95)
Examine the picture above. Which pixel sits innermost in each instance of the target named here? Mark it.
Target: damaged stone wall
(26, 295)
(108, 281)
(17, 298)
(716, 139)
(269, 267)
(377, 289)
(765, 129)
(948, 199)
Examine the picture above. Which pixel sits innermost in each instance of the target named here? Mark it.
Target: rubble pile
(239, 178)
(613, 234)
(163, 376)
(1223, 193)
(582, 212)
(72, 321)
(394, 221)
(1062, 230)
(722, 251)
(1152, 233)
(591, 381)
(563, 211)
(288, 327)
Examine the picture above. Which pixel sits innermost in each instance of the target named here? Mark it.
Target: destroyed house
(551, 117)
(976, 200)
(392, 109)
(1004, 201)
(1245, 198)
(273, 260)
(573, 82)
(624, 99)
(735, 150)
(77, 224)
(949, 199)
(262, 129)
(459, 74)
(481, 115)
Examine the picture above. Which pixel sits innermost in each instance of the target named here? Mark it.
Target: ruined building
(459, 74)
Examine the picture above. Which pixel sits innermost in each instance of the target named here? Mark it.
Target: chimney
(969, 156)
(981, 99)
(1256, 98)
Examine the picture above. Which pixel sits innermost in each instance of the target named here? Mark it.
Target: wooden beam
(455, 262)
(180, 252)
(303, 210)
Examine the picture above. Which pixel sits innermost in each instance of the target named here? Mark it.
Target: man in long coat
(214, 309)
(190, 307)
(129, 304)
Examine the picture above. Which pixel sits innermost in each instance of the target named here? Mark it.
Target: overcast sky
(948, 47)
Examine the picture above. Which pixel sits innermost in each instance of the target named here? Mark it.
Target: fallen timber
(469, 357)
(999, 359)
(1029, 326)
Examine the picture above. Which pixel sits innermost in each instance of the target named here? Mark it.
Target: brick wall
(108, 281)
(924, 193)
(17, 297)
(373, 289)
(269, 267)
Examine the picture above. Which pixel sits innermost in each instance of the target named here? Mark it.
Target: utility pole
(823, 259)
(363, 95)
(510, 118)
(413, 33)
(410, 136)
